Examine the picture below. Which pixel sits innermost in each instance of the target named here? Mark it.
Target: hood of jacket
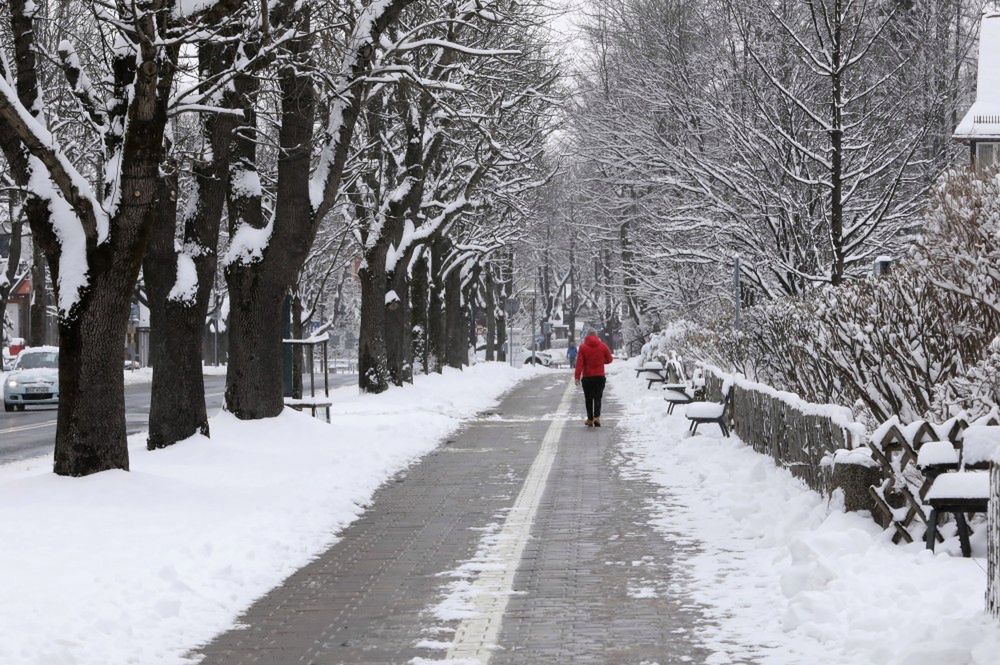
(591, 340)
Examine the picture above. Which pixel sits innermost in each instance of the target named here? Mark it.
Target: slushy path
(548, 528)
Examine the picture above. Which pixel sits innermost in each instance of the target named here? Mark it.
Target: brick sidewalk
(593, 584)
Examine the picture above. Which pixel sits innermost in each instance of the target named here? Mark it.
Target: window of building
(987, 156)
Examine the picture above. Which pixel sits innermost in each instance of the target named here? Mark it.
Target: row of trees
(178, 138)
(752, 160)
(791, 142)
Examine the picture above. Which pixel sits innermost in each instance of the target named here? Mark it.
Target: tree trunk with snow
(373, 372)
(418, 315)
(437, 340)
(177, 306)
(177, 395)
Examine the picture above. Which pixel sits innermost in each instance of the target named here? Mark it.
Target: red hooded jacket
(592, 357)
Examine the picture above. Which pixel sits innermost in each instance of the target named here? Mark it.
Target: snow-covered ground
(145, 374)
(785, 577)
(138, 568)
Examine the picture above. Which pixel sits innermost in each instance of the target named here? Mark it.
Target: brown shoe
(588, 422)
(597, 422)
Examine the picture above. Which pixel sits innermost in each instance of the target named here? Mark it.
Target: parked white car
(33, 380)
(529, 357)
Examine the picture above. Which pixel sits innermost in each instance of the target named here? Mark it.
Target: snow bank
(140, 567)
(784, 578)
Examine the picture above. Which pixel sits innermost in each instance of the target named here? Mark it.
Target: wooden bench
(312, 403)
(657, 371)
(959, 493)
(964, 492)
(717, 413)
(679, 393)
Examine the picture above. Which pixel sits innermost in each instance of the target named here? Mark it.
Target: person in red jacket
(590, 361)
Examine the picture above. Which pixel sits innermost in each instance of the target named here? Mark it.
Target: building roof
(982, 121)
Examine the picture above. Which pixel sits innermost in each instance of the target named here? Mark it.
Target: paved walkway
(550, 511)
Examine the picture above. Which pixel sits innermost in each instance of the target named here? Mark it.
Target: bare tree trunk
(297, 351)
(418, 315)
(8, 283)
(177, 401)
(256, 317)
(373, 374)
(397, 329)
(437, 337)
(38, 311)
(455, 330)
(490, 305)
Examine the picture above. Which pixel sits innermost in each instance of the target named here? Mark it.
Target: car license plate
(37, 389)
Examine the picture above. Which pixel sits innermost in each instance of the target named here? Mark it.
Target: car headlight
(12, 384)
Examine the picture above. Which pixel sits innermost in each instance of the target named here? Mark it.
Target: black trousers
(593, 389)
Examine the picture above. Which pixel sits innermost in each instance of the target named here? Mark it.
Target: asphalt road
(30, 433)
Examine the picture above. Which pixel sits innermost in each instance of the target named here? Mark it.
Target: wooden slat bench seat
(314, 404)
(958, 493)
(678, 393)
(717, 413)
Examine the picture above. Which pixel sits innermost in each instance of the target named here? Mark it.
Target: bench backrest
(727, 404)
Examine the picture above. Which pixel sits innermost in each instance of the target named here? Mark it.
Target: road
(30, 433)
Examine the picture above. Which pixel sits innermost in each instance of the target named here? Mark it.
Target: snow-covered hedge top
(839, 415)
(981, 443)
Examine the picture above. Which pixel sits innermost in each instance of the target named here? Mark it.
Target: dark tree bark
(437, 339)
(298, 352)
(419, 289)
(398, 330)
(490, 306)
(9, 282)
(457, 354)
(38, 310)
(373, 374)
(253, 377)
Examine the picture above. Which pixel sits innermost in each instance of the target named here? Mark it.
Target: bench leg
(930, 536)
(670, 408)
(963, 534)
(725, 430)
(694, 426)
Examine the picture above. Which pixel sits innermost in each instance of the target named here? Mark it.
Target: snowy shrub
(913, 343)
(975, 392)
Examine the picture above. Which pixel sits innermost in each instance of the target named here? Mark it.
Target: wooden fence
(993, 544)
(798, 435)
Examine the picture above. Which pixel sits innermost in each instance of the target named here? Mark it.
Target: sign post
(510, 306)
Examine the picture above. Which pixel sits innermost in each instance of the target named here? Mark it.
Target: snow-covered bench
(312, 403)
(957, 493)
(960, 492)
(678, 393)
(717, 413)
(654, 368)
